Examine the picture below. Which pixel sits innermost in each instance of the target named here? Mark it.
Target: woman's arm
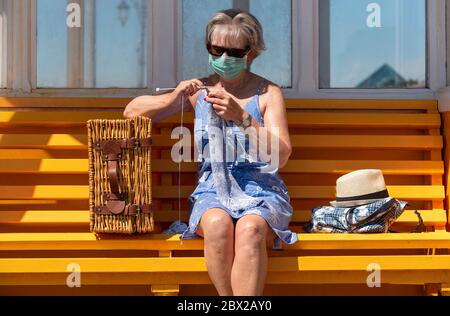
(275, 117)
(159, 107)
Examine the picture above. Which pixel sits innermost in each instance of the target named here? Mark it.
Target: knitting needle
(164, 89)
(171, 89)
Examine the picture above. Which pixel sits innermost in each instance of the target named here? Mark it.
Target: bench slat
(108, 103)
(345, 104)
(389, 167)
(410, 276)
(430, 217)
(81, 166)
(322, 269)
(90, 241)
(41, 154)
(193, 273)
(72, 141)
(367, 141)
(43, 166)
(67, 192)
(120, 103)
(350, 120)
(313, 120)
(60, 117)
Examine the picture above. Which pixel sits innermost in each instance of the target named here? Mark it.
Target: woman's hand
(188, 88)
(225, 106)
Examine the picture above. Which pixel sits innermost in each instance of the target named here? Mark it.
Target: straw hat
(360, 187)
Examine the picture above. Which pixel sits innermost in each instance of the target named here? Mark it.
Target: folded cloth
(176, 227)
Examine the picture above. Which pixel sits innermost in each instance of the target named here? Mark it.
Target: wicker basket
(120, 175)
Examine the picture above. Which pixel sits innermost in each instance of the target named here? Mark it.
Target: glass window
(275, 63)
(372, 44)
(3, 38)
(275, 16)
(92, 44)
(51, 44)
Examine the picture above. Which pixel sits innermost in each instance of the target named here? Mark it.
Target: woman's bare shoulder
(268, 92)
(269, 87)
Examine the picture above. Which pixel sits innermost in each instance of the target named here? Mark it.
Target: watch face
(247, 122)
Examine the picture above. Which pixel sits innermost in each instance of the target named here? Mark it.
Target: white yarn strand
(179, 158)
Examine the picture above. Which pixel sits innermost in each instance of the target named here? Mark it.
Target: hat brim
(352, 203)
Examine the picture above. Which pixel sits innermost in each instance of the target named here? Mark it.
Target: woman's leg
(217, 228)
(249, 270)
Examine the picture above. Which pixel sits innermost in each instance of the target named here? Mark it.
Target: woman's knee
(251, 231)
(216, 224)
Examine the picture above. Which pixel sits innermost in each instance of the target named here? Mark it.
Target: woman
(235, 242)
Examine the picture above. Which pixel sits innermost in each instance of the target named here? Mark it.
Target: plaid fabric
(329, 219)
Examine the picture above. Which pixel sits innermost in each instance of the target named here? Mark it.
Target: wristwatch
(246, 122)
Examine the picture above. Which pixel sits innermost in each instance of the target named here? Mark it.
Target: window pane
(372, 44)
(275, 17)
(196, 14)
(108, 50)
(121, 46)
(275, 63)
(3, 38)
(51, 44)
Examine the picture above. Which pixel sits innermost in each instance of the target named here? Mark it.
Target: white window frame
(444, 94)
(4, 32)
(164, 54)
(17, 49)
(447, 30)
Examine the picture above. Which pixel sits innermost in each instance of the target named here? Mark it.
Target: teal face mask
(228, 67)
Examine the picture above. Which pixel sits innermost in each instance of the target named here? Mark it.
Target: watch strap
(246, 122)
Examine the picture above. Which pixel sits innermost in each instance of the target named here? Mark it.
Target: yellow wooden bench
(44, 203)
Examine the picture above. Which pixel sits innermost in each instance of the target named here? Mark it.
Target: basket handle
(111, 153)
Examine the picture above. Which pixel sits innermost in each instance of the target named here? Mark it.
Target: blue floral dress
(269, 186)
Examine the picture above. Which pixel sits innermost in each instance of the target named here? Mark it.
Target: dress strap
(202, 92)
(204, 84)
(260, 86)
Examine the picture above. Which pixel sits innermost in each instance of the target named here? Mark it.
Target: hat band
(377, 195)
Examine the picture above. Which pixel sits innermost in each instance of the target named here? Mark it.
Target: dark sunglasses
(232, 52)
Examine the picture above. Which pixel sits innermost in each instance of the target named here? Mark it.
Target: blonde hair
(239, 25)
